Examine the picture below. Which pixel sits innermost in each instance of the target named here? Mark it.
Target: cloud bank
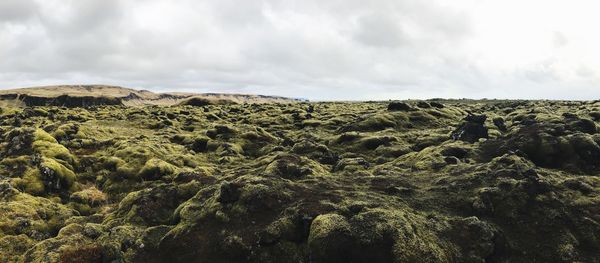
(316, 49)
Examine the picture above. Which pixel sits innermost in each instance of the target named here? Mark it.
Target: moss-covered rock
(293, 167)
(315, 151)
(71, 245)
(330, 239)
(13, 247)
(155, 169)
(37, 217)
(374, 236)
(154, 206)
(55, 175)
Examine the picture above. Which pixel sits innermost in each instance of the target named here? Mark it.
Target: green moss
(43, 216)
(30, 182)
(229, 149)
(155, 169)
(16, 166)
(323, 226)
(329, 239)
(371, 143)
(311, 123)
(351, 165)
(53, 170)
(53, 150)
(66, 131)
(41, 135)
(13, 247)
(90, 196)
(72, 248)
(422, 119)
(290, 166)
(51, 176)
(181, 139)
(379, 122)
(426, 159)
(413, 238)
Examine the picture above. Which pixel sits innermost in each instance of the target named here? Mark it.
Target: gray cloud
(16, 10)
(314, 49)
(379, 30)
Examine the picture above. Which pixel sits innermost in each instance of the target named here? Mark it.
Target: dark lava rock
(499, 122)
(69, 101)
(584, 125)
(436, 104)
(201, 102)
(595, 115)
(52, 180)
(479, 119)
(229, 193)
(569, 115)
(423, 105)
(399, 106)
(472, 129)
(19, 142)
(525, 120)
(451, 160)
(457, 152)
(199, 144)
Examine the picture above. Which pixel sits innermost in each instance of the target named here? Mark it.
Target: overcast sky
(315, 49)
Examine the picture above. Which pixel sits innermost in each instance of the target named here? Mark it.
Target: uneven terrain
(415, 181)
(96, 95)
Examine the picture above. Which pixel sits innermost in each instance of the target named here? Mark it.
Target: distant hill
(90, 95)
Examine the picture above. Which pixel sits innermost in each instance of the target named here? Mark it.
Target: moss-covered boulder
(375, 236)
(293, 167)
(37, 217)
(330, 239)
(72, 244)
(399, 106)
(152, 207)
(315, 151)
(155, 169)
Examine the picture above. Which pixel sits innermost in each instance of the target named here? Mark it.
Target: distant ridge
(93, 95)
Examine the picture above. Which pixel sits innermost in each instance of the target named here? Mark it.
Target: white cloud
(332, 49)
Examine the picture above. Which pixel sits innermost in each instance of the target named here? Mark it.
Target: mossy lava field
(412, 181)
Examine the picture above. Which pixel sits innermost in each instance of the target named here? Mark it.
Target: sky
(313, 49)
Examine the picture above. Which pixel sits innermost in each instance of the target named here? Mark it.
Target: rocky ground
(417, 181)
